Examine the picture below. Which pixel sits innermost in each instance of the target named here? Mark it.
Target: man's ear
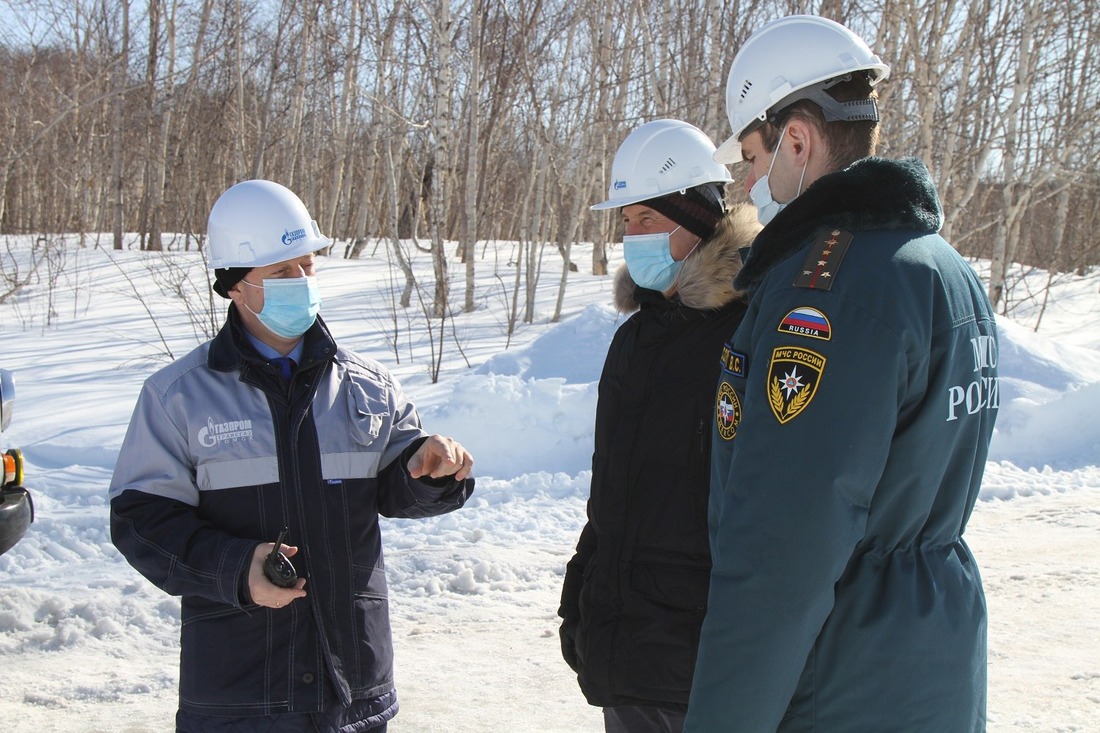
(235, 291)
(801, 134)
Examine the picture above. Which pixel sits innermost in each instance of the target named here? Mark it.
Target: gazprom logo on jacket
(224, 432)
(290, 237)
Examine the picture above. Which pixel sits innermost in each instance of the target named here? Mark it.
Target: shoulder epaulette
(823, 260)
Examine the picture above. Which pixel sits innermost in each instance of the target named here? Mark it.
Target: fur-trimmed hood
(872, 193)
(705, 281)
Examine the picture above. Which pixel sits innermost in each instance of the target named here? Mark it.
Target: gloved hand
(568, 635)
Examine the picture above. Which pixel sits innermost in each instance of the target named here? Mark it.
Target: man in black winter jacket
(635, 593)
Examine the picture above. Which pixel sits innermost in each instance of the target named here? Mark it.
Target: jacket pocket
(369, 582)
(368, 418)
(214, 682)
(674, 586)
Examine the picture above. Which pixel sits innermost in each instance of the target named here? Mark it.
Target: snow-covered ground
(86, 644)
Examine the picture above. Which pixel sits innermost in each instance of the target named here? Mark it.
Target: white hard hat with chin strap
(662, 157)
(790, 59)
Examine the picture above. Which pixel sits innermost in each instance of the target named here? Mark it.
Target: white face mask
(761, 191)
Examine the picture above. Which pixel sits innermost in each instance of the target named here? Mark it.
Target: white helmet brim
(728, 152)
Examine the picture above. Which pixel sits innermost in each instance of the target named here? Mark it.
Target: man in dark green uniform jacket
(853, 417)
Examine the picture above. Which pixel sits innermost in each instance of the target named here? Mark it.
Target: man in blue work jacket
(271, 426)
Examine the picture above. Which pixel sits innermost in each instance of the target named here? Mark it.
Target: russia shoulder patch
(823, 260)
(807, 321)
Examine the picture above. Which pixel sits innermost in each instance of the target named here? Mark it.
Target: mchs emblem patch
(793, 376)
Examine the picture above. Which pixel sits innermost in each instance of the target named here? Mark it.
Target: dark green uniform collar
(871, 194)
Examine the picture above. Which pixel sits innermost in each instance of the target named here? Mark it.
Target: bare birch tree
(119, 82)
(473, 132)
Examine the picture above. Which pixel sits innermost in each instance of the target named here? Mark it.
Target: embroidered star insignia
(792, 382)
(826, 252)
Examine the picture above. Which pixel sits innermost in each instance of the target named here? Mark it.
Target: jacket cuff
(239, 557)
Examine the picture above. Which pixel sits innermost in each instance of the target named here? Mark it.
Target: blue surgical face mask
(290, 305)
(649, 260)
(761, 191)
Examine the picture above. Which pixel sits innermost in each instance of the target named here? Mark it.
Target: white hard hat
(659, 158)
(790, 59)
(258, 223)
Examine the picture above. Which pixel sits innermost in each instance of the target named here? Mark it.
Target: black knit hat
(226, 277)
(697, 209)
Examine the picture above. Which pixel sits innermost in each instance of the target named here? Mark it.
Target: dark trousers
(642, 719)
(285, 723)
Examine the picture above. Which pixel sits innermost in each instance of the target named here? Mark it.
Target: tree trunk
(473, 106)
(441, 150)
(119, 99)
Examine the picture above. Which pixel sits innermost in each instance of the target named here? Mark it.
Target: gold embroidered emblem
(793, 376)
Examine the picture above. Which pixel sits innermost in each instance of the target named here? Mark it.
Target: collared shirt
(269, 353)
